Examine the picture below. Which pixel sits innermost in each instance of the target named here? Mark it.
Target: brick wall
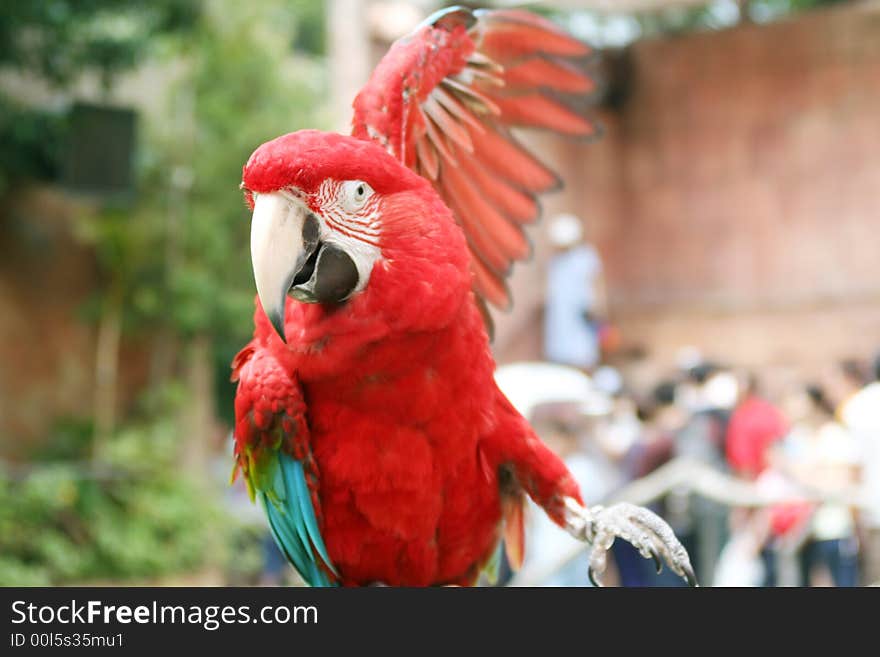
(736, 196)
(47, 337)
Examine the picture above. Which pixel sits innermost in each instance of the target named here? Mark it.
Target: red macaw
(368, 421)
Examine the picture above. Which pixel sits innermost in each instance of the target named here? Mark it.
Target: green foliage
(71, 441)
(607, 29)
(135, 514)
(310, 32)
(134, 517)
(178, 261)
(246, 556)
(712, 15)
(30, 141)
(59, 39)
(765, 10)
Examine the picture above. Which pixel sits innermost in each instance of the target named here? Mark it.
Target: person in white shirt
(575, 299)
(861, 415)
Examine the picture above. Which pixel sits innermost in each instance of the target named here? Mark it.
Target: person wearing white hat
(575, 296)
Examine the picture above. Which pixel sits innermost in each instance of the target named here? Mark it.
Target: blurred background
(713, 349)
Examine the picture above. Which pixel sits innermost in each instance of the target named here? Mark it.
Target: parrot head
(326, 209)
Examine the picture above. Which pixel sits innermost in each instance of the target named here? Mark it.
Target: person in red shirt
(754, 426)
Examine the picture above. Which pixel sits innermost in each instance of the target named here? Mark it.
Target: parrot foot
(644, 529)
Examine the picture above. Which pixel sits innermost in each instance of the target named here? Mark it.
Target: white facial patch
(350, 219)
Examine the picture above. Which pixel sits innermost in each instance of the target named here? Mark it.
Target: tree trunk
(107, 371)
(349, 55)
(198, 419)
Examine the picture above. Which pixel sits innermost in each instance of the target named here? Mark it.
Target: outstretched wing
(273, 453)
(443, 101)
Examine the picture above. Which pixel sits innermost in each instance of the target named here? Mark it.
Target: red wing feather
(507, 236)
(516, 205)
(554, 74)
(488, 285)
(536, 110)
(481, 242)
(500, 153)
(509, 34)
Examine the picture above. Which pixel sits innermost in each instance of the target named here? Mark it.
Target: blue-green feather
(287, 539)
(293, 521)
(301, 491)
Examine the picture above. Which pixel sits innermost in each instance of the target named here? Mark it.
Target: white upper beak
(277, 251)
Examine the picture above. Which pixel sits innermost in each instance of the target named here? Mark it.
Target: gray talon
(647, 532)
(657, 563)
(689, 576)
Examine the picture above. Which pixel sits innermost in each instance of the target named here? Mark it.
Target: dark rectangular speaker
(99, 157)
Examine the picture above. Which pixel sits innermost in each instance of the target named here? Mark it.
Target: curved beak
(284, 235)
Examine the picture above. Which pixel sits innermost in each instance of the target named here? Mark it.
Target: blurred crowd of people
(814, 447)
(813, 451)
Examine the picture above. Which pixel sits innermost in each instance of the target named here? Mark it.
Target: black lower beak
(336, 275)
(329, 277)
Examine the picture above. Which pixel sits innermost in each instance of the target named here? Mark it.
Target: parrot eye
(354, 195)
